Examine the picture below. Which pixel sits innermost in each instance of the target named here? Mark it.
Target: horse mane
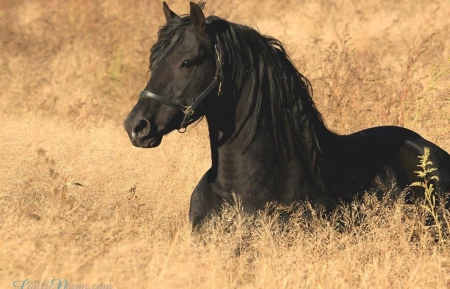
(257, 67)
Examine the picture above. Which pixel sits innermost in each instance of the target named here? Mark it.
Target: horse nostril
(142, 129)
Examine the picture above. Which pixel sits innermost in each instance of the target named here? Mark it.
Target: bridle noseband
(189, 110)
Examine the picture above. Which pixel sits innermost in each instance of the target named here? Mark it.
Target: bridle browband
(189, 110)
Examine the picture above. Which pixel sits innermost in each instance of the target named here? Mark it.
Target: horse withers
(268, 141)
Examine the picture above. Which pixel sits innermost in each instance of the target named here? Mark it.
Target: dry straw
(78, 202)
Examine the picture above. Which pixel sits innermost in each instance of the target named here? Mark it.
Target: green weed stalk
(427, 177)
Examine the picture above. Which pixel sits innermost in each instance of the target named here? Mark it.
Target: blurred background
(78, 201)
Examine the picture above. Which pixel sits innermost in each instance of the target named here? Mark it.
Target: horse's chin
(155, 142)
(148, 142)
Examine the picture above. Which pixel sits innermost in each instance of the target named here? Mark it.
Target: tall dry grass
(78, 202)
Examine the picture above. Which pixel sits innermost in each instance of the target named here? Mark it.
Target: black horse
(268, 140)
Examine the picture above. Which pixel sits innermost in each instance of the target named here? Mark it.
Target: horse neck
(229, 151)
(262, 157)
(231, 163)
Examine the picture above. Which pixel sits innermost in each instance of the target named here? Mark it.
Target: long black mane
(257, 67)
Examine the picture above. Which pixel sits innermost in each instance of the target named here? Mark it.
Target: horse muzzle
(143, 133)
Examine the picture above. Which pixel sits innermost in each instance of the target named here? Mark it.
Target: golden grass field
(79, 203)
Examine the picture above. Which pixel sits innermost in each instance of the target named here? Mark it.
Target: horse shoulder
(204, 199)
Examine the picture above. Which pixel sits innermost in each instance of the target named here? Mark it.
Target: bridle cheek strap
(189, 110)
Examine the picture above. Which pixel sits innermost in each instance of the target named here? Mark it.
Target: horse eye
(188, 63)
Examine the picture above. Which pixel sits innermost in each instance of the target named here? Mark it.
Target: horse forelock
(169, 38)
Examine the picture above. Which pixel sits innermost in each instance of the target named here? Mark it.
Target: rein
(189, 110)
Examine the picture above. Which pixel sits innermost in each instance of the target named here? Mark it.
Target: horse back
(387, 152)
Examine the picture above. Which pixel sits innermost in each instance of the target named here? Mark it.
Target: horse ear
(168, 13)
(198, 18)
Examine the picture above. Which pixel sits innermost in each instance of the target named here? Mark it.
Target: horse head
(184, 70)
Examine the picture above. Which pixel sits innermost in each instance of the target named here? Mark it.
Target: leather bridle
(189, 110)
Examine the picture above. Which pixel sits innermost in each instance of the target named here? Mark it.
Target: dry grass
(78, 202)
